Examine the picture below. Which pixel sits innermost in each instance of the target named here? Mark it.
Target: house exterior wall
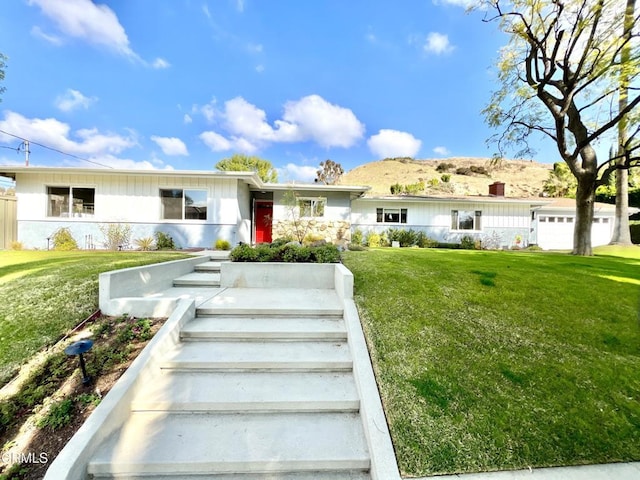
(129, 199)
(334, 226)
(501, 222)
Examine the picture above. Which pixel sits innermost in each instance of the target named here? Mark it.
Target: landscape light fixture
(78, 348)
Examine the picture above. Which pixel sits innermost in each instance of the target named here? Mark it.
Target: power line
(52, 149)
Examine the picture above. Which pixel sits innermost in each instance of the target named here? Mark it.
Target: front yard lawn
(44, 294)
(502, 360)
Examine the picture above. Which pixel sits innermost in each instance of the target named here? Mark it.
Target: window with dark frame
(312, 207)
(466, 220)
(179, 204)
(70, 202)
(391, 215)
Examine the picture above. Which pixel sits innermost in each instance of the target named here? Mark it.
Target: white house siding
(127, 199)
(502, 220)
(337, 206)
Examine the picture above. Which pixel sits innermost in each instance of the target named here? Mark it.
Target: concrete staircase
(259, 387)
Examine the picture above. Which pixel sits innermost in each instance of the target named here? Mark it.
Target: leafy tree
(561, 183)
(329, 172)
(559, 76)
(245, 163)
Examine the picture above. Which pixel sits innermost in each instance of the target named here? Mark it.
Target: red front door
(264, 214)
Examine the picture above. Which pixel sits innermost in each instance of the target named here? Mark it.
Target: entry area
(263, 217)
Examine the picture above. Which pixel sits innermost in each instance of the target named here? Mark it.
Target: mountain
(467, 176)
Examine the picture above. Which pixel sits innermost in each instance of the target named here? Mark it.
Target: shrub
(463, 171)
(355, 247)
(373, 239)
(63, 240)
(145, 243)
(59, 415)
(434, 182)
(222, 244)
(164, 241)
(396, 189)
(414, 188)
(445, 177)
(16, 246)
(326, 254)
(243, 253)
(406, 238)
(445, 166)
(467, 242)
(296, 254)
(634, 228)
(424, 241)
(312, 238)
(279, 242)
(116, 235)
(357, 237)
(480, 170)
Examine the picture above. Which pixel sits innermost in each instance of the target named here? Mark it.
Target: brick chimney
(496, 189)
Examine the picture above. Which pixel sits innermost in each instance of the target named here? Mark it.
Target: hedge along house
(195, 207)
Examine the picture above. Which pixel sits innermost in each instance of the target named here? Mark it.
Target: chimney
(496, 189)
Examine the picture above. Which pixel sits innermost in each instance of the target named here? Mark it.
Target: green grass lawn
(44, 294)
(500, 360)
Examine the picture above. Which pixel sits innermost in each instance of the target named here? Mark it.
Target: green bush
(445, 166)
(357, 237)
(406, 238)
(222, 244)
(396, 189)
(59, 415)
(373, 240)
(467, 242)
(164, 241)
(634, 227)
(63, 240)
(291, 253)
(445, 177)
(424, 241)
(326, 254)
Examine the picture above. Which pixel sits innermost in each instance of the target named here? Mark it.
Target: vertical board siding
(8, 221)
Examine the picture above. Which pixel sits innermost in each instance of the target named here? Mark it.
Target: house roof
(533, 201)
(569, 204)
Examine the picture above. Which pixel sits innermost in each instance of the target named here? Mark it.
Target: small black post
(78, 348)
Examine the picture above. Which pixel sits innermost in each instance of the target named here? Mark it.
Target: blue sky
(183, 84)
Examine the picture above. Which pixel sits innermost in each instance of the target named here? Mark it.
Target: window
(605, 220)
(466, 220)
(70, 202)
(180, 204)
(569, 219)
(312, 207)
(391, 215)
(542, 219)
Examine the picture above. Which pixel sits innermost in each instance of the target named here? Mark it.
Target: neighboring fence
(8, 221)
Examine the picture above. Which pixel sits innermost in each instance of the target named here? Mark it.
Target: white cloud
(240, 5)
(437, 43)
(97, 24)
(56, 134)
(205, 10)
(52, 39)
(442, 151)
(313, 118)
(72, 100)
(466, 4)
(160, 64)
(215, 141)
(300, 173)
(393, 143)
(309, 119)
(259, 68)
(171, 145)
(187, 118)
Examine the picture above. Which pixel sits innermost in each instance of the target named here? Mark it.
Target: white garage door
(556, 232)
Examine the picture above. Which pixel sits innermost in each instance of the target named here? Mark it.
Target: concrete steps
(250, 391)
(157, 443)
(260, 386)
(206, 274)
(253, 328)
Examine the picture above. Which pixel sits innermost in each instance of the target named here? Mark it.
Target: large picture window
(391, 215)
(70, 202)
(312, 207)
(178, 204)
(466, 220)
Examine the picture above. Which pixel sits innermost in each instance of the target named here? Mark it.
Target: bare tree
(559, 76)
(329, 172)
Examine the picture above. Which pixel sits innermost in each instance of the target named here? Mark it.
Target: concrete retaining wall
(122, 291)
(115, 407)
(277, 275)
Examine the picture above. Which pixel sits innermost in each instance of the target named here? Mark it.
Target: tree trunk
(585, 198)
(621, 233)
